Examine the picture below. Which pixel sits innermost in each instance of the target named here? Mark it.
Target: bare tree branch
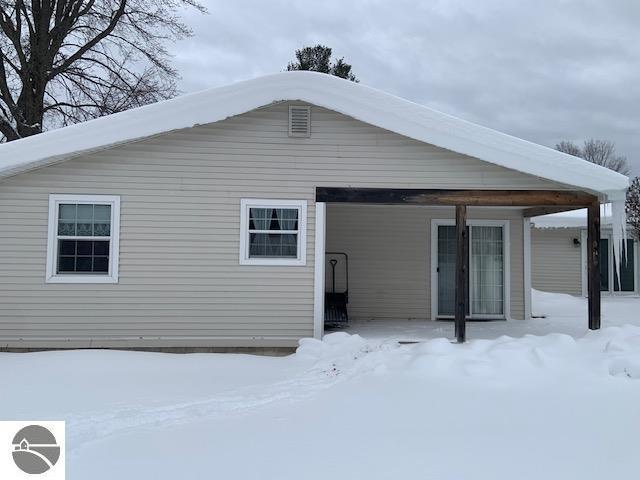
(600, 152)
(65, 61)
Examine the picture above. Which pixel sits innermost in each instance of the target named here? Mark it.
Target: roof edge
(353, 99)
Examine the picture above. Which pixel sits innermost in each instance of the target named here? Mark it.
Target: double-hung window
(83, 242)
(273, 232)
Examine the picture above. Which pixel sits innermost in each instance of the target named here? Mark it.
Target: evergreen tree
(318, 59)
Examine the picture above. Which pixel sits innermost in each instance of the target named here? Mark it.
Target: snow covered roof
(572, 219)
(353, 99)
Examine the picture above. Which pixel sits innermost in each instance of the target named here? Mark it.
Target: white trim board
(318, 274)
(505, 224)
(526, 246)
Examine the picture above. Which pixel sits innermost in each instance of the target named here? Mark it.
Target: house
(559, 255)
(203, 221)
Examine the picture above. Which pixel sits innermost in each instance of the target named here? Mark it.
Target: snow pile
(611, 351)
(351, 407)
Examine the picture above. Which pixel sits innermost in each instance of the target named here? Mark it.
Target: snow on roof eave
(353, 99)
(573, 218)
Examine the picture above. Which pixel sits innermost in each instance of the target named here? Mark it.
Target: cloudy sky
(543, 70)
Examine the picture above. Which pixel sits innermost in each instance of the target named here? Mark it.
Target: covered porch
(553, 313)
(420, 257)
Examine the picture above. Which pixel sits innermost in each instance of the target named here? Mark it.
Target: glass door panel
(487, 271)
(485, 283)
(447, 244)
(446, 269)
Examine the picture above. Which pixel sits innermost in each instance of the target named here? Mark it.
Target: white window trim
(246, 204)
(506, 230)
(583, 270)
(114, 251)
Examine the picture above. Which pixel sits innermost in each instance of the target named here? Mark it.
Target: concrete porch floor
(553, 313)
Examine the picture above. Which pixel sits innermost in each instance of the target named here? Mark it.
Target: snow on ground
(552, 407)
(557, 313)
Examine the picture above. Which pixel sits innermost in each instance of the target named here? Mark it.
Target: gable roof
(353, 99)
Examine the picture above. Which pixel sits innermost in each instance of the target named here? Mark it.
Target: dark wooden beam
(462, 253)
(497, 198)
(537, 211)
(593, 264)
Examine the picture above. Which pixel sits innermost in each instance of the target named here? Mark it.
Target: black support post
(593, 264)
(462, 254)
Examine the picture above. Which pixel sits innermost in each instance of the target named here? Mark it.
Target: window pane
(83, 264)
(66, 264)
(84, 225)
(102, 213)
(85, 212)
(84, 220)
(258, 218)
(273, 219)
(67, 247)
(67, 229)
(101, 220)
(101, 248)
(67, 212)
(84, 248)
(101, 229)
(285, 219)
(83, 256)
(101, 264)
(273, 245)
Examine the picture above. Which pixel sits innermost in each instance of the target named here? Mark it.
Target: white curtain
(487, 270)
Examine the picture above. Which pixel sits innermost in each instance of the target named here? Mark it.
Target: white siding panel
(556, 261)
(180, 281)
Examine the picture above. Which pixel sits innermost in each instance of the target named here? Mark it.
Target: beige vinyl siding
(556, 261)
(180, 279)
(389, 250)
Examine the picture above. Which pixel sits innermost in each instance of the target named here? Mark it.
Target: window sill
(274, 262)
(95, 279)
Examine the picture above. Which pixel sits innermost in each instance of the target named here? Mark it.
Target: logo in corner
(35, 449)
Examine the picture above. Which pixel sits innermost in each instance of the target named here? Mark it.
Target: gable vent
(299, 121)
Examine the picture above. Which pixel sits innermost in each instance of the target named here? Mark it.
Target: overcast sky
(543, 70)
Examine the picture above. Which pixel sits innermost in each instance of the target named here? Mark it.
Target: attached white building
(203, 221)
(559, 255)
